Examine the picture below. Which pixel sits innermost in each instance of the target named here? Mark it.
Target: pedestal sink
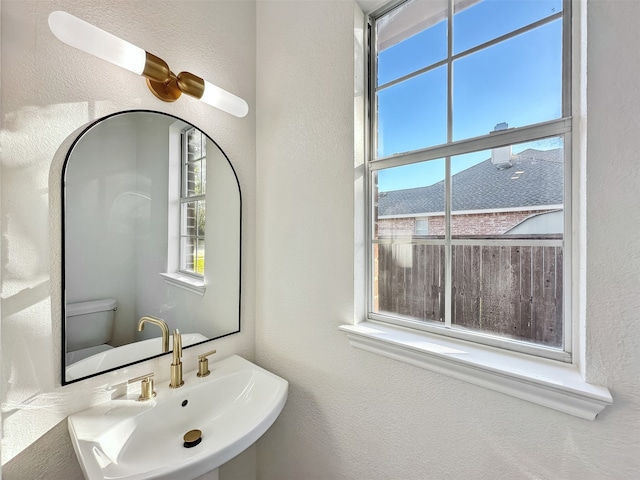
(129, 439)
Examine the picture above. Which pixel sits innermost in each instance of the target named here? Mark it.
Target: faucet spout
(163, 326)
(176, 365)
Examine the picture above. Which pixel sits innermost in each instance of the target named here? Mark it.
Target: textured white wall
(354, 415)
(112, 273)
(49, 91)
(350, 414)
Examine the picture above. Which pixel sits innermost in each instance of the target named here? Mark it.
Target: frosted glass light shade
(91, 39)
(228, 102)
(161, 81)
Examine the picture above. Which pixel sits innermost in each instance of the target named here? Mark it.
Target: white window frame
(554, 384)
(186, 198)
(173, 276)
(560, 127)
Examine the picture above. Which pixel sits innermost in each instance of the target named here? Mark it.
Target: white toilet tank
(89, 323)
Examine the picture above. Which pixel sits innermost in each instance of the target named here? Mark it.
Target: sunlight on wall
(31, 137)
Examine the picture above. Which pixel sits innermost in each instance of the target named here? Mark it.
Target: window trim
(189, 283)
(545, 382)
(556, 385)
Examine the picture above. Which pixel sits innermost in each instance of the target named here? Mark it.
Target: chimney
(501, 156)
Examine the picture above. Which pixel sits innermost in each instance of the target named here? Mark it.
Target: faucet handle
(203, 364)
(146, 386)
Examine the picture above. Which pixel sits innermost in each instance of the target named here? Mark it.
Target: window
(422, 226)
(468, 193)
(193, 202)
(469, 176)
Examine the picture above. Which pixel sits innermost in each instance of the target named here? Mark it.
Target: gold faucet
(176, 365)
(163, 326)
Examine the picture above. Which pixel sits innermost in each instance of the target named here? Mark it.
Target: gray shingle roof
(487, 187)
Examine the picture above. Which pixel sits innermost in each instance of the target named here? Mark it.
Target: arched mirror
(151, 228)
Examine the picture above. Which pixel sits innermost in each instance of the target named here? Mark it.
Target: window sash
(453, 57)
(561, 127)
(189, 244)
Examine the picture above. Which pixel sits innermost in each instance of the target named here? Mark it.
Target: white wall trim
(191, 284)
(552, 384)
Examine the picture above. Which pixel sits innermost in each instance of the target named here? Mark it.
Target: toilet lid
(82, 308)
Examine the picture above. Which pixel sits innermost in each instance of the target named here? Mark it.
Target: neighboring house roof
(486, 186)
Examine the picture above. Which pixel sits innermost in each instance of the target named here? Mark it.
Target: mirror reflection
(151, 227)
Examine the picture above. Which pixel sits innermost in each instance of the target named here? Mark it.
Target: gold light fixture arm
(160, 80)
(191, 84)
(167, 91)
(156, 69)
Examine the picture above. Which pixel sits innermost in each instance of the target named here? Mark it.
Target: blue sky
(517, 81)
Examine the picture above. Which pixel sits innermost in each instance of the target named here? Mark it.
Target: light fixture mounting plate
(166, 91)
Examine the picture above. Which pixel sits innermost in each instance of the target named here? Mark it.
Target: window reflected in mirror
(145, 195)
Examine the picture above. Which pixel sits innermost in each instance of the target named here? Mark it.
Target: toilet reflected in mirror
(89, 328)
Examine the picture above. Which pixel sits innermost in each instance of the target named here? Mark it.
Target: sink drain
(192, 438)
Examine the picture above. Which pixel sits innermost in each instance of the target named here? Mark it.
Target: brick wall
(496, 223)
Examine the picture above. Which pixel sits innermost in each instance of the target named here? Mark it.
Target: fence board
(526, 294)
(506, 290)
(457, 284)
(441, 282)
(515, 294)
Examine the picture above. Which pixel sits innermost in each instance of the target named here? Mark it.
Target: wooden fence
(512, 291)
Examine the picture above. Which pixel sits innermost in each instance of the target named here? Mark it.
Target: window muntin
(193, 202)
(502, 281)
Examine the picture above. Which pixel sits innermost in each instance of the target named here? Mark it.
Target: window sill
(544, 382)
(191, 284)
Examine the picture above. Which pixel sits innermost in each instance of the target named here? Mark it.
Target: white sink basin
(128, 439)
(130, 353)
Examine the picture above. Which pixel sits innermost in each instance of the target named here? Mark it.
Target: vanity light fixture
(163, 83)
